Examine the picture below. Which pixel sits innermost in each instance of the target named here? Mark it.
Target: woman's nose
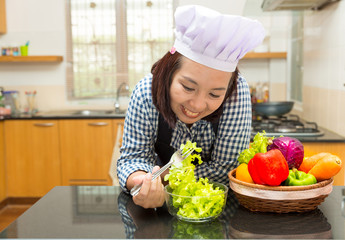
(198, 103)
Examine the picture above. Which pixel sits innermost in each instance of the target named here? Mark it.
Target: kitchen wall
(43, 23)
(324, 67)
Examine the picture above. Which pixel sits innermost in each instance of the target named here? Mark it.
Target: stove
(286, 125)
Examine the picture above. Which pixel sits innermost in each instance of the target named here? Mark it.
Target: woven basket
(279, 199)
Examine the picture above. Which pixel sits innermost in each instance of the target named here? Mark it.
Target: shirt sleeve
(137, 151)
(233, 136)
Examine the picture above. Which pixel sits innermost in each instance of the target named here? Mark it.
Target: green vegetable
(183, 172)
(182, 181)
(208, 230)
(299, 178)
(259, 145)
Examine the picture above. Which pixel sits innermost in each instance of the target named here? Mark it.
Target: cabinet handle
(98, 124)
(87, 180)
(44, 124)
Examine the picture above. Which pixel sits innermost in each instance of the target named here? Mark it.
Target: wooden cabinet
(331, 147)
(32, 157)
(86, 151)
(3, 27)
(118, 131)
(42, 154)
(3, 193)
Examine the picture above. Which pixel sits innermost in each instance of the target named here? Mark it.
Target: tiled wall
(326, 107)
(324, 67)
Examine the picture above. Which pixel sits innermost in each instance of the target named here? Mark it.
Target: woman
(195, 92)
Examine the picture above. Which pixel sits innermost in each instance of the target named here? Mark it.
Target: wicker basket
(279, 199)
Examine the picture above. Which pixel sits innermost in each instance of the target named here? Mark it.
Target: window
(111, 42)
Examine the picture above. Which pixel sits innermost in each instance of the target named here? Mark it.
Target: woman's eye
(187, 88)
(214, 95)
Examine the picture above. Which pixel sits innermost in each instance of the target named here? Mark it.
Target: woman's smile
(189, 113)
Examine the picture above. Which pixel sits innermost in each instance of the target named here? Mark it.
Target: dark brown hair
(163, 72)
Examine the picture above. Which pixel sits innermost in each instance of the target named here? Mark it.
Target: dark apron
(162, 145)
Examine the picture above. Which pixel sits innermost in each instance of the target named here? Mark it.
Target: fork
(178, 156)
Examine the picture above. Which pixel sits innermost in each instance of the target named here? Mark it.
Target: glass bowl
(196, 208)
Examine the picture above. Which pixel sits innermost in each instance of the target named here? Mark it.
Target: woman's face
(197, 91)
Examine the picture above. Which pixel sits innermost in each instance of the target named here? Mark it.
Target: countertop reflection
(106, 212)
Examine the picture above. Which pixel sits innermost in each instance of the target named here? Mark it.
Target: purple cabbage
(291, 148)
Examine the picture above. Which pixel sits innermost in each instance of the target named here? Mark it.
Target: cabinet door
(118, 127)
(331, 147)
(3, 193)
(86, 149)
(3, 28)
(32, 157)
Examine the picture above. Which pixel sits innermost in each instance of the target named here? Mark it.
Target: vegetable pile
(190, 201)
(281, 161)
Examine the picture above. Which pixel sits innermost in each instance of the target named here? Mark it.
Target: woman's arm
(137, 153)
(137, 158)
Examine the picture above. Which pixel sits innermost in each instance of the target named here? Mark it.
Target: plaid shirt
(140, 134)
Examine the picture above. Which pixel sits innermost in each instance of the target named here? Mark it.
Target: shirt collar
(195, 125)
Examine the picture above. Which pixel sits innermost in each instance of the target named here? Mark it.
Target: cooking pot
(272, 108)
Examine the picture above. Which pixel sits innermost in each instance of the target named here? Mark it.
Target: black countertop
(68, 114)
(100, 212)
(328, 136)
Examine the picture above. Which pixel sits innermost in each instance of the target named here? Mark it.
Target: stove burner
(290, 125)
(285, 129)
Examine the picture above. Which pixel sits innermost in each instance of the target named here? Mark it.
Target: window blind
(110, 42)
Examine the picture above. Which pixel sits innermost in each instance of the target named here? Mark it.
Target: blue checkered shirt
(140, 134)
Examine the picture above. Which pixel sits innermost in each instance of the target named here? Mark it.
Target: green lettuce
(182, 182)
(259, 145)
(187, 230)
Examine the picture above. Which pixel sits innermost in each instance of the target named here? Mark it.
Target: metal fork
(178, 156)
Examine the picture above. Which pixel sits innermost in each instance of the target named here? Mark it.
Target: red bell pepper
(268, 168)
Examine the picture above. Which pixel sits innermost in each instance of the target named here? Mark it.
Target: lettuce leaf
(259, 145)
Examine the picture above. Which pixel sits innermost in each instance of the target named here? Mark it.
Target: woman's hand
(151, 194)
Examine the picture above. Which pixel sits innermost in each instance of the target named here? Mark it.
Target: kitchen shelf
(31, 59)
(250, 55)
(262, 55)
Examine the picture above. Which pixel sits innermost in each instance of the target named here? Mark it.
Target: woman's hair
(163, 72)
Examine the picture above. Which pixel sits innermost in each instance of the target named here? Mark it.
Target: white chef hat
(213, 39)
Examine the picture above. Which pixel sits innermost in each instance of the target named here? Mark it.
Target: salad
(193, 198)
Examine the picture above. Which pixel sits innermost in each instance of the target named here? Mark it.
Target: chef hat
(213, 39)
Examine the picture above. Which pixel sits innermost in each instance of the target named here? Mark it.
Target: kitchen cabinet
(32, 157)
(337, 148)
(119, 124)
(86, 150)
(2, 164)
(3, 28)
(42, 154)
